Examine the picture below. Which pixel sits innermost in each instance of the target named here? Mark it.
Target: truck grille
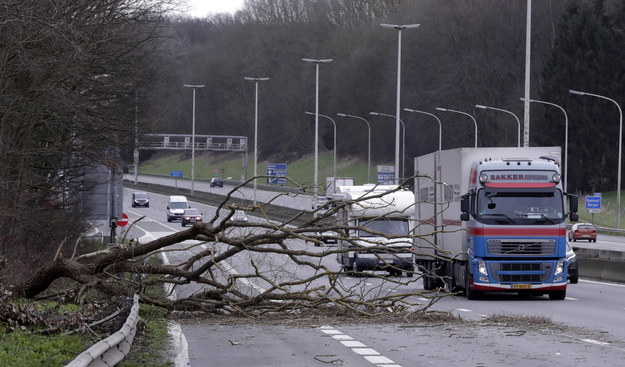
(526, 278)
(521, 247)
(504, 272)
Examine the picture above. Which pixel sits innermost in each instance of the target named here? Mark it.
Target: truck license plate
(521, 286)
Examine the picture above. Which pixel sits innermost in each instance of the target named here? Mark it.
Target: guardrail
(259, 186)
(607, 230)
(112, 350)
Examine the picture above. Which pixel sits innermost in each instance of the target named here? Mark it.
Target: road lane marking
(369, 354)
(173, 328)
(592, 341)
(365, 351)
(602, 283)
(572, 299)
(352, 344)
(180, 344)
(464, 310)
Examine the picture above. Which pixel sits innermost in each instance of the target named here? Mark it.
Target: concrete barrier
(601, 264)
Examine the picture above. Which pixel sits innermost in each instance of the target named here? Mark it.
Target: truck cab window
(387, 226)
(520, 207)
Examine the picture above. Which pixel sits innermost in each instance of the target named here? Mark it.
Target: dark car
(583, 231)
(572, 269)
(217, 182)
(140, 199)
(191, 216)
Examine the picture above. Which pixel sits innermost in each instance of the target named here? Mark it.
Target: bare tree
(224, 266)
(69, 73)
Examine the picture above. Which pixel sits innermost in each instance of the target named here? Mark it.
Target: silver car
(239, 216)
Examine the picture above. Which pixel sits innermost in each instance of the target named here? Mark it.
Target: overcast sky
(201, 8)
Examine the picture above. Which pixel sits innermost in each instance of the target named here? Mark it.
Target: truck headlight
(481, 268)
(559, 268)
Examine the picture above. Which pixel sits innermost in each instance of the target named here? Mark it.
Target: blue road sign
(278, 171)
(593, 204)
(386, 174)
(175, 174)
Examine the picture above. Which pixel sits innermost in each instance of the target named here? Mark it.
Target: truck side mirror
(573, 205)
(464, 207)
(464, 203)
(574, 217)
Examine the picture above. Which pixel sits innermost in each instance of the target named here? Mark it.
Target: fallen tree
(228, 267)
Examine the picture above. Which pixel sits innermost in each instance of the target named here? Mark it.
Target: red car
(583, 231)
(191, 216)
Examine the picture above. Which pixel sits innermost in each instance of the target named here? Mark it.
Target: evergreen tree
(585, 57)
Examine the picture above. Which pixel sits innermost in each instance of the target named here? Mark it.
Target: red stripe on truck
(517, 231)
(520, 185)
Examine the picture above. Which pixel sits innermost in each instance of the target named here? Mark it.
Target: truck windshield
(520, 207)
(388, 226)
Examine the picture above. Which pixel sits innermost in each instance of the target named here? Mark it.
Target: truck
(492, 219)
(379, 224)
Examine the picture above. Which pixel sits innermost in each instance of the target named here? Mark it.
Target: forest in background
(465, 52)
(77, 78)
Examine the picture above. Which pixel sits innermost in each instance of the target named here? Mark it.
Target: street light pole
(399, 28)
(462, 113)
(316, 169)
(255, 80)
(508, 112)
(333, 123)
(403, 141)
(440, 125)
(566, 139)
(528, 49)
(620, 148)
(194, 86)
(368, 145)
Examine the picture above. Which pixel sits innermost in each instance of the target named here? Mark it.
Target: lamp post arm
(440, 125)
(462, 113)
(368, 141)
(566, 138)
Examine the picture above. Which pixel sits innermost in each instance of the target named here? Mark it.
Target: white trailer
(379, 226)
(506, 249)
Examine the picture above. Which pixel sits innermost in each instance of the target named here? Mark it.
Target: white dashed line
(464, 310)
(370, 355)
(365, 351)
(352, 344)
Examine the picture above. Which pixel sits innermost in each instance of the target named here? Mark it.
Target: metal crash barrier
(112, 350)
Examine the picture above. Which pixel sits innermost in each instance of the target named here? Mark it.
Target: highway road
(589, 329)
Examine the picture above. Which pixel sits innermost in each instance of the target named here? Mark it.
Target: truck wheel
(468, 292)
(428, 282)
(410, 271)
(557, 295)
(356, 269)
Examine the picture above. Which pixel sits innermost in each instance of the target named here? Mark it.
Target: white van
(175, 208)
